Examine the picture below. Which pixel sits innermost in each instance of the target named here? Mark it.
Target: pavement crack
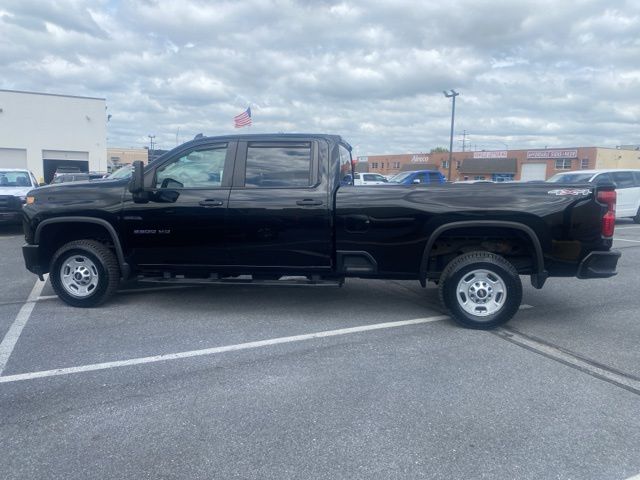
(571, 359)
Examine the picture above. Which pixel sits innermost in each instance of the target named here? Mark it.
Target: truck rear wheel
(84, 273)
(481, 290)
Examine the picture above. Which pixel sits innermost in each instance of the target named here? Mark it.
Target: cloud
(530, 73)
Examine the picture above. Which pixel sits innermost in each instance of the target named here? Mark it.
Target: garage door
(13, 158)
(53, 160)
(533, 171)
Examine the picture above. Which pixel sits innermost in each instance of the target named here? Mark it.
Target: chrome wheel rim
(79, 276)
(481, 293)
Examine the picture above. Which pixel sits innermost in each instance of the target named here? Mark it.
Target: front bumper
(10, 216)
(599, 264)
(31, 254)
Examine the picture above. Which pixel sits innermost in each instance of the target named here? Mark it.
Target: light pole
(151, 137)
(453, 94)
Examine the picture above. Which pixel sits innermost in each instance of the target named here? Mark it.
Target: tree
(439, 150)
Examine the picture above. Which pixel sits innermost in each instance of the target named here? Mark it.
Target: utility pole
(453, 94)
(464, 138)
(151, 137)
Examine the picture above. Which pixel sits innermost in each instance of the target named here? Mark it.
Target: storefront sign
(552, 154)
(419, 159)
(496, 154)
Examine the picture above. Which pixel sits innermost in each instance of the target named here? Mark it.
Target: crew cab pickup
(275, 209)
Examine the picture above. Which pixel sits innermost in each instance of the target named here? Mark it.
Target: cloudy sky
(530, 73)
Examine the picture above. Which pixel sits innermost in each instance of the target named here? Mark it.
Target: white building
(42, 132)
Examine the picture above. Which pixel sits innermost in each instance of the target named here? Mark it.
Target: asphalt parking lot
(366, 381)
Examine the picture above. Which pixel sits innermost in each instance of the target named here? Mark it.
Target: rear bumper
(599, 264)
(31, 254)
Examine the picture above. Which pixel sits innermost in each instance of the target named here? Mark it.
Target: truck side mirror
(137, 178)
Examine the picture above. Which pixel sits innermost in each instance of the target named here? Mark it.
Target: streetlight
(151, 137)
(453, 94)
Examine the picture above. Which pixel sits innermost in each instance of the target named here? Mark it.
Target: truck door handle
(211, 202)
(307, 202)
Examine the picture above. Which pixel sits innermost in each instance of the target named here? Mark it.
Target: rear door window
(602, 178)
(623, 179)
(435, 177)
(636, 176)
(278, 165)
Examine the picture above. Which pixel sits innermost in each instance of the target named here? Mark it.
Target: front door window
(201, 168)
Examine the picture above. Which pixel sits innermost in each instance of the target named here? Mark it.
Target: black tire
(104, 269)
(473, 266)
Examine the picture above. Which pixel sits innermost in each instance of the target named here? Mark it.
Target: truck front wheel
(84, 273)
(481, 290)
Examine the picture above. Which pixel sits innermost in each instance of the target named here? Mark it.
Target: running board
(285, 281)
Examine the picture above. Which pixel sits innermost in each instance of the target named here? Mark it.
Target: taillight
(608, 197)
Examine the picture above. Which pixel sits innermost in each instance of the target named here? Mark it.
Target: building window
(374, 165)
(445, 164)
(502, 177)
(458, 163)
(563, 164)
(396, 164)
(479, 177)
(382, 165)
(584, 163)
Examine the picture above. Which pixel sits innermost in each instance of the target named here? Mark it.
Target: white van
(627, 184)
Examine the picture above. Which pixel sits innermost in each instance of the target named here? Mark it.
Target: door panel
(278, 213)
(625, 183)
(184, 221)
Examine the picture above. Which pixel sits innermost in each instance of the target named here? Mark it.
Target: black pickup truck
(281, 209)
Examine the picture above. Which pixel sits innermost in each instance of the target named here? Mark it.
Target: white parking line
(625, 240)
(11, 338)
(215, 350)
(627, 228)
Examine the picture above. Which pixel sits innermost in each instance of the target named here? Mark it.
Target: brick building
(504, 165)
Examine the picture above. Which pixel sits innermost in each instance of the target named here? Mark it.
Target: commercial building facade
(119, 157)
(43, 132)
(506, 165)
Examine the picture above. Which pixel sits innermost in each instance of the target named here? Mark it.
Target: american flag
(243, 120)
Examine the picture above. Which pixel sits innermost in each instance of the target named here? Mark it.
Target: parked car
(369, 179)
(77, 177)
(279, 208)
(476, 181)
(122, 172)
(429, 177)
(626, 181)
(14, 186)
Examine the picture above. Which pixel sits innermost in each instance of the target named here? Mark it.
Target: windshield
(14, 179)
(399, 177)
(124, 172)
(571, 178)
